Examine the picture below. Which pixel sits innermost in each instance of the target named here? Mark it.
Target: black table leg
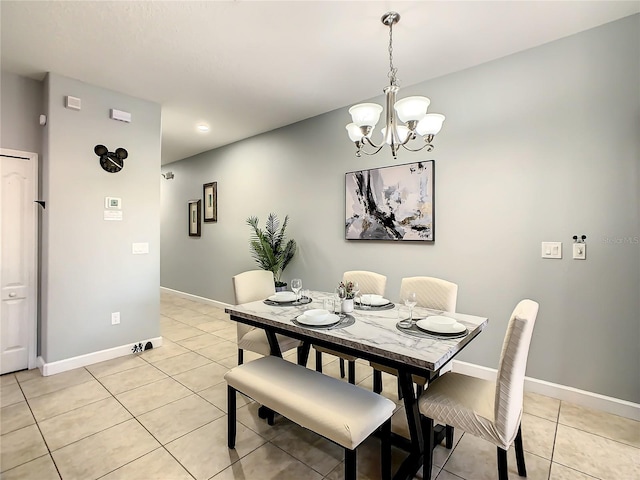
(413, 462)
(265, 412)
(303, 353)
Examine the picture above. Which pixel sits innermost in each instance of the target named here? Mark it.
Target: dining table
(370, 334)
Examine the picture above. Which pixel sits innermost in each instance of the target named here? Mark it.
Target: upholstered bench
(339, 411)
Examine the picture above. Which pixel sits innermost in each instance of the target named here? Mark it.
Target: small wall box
(113, 203)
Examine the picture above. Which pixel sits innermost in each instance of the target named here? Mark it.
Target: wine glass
(296, 286)
(410, 301)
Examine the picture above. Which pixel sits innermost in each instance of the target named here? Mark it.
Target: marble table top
(373, 331)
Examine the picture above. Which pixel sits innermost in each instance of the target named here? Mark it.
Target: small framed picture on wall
(194, 218)
(210, 195)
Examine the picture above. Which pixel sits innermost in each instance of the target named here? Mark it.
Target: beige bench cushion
(337, 410)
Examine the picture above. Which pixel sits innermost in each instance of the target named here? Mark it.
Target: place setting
(439, 326)
(323, 318)
(373, 302)
(292, 298)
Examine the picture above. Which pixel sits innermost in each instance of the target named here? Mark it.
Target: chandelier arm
(428, 146)
(366, 140)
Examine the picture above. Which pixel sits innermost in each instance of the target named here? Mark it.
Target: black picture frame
(195, 212)
(210, 201)
(395, 203)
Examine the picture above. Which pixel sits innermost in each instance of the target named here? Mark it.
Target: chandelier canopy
(406, 119)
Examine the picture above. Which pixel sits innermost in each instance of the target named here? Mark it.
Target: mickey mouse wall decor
(111, 162)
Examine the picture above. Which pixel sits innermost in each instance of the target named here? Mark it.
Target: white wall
(538, 146)
(88, 270)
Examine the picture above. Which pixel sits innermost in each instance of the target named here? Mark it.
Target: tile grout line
(37, 424)
(134, 417)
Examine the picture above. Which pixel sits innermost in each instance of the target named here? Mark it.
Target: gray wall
(88, 270)
(20, 107)
(538, 146)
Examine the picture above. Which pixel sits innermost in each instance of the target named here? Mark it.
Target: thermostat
(113, 203)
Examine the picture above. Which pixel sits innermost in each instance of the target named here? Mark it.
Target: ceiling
(247, 67)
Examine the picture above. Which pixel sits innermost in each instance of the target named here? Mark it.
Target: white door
(18, 251)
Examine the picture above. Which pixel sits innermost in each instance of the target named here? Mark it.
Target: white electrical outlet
(579, 251)
(115, 318)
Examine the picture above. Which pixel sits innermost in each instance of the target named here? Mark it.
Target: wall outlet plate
(579, 251)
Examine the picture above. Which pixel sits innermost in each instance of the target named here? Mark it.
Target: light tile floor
(162, 415)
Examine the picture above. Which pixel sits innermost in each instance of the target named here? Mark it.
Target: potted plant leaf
(270, 248)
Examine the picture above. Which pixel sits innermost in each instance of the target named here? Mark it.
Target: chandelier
(407, 119)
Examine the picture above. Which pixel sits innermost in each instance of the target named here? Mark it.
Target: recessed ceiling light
(203, 128)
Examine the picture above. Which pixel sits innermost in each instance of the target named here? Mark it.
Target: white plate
(328, 320)
(425, 324)
(374, 300)
(282, 297)
(441, 320)
(317, 314)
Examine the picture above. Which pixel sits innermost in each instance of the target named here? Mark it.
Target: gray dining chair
(491, 410)
(369, 282)
(248, 287)
(431, 292)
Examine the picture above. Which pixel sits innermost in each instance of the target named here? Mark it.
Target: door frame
(34, 290)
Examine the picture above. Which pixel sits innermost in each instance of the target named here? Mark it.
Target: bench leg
(342, 368)
(350, 463)
(318, 361)
(240, 356)
(385, 450)
(231, 416)
(377, 381)
(352, 373)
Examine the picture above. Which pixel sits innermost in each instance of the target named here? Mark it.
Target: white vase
(347, 305)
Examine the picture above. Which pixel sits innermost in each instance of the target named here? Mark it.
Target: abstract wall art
(391, 203)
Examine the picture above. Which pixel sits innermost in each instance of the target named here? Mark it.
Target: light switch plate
(139, 248)
(551, 249)
(579, 251)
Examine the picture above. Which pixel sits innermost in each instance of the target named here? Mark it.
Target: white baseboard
(60, 366)
(596, 401)
(195, 298)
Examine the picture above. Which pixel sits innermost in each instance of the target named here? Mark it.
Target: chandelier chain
(392, 70)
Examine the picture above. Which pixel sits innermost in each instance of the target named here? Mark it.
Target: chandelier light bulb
(366, 114)
(355, 134)
(412, 108)
(430, 124)
(403, 133)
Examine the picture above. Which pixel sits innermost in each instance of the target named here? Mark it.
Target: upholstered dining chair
(369, 282)
(491, 410)
(248, 287)
(431, 292)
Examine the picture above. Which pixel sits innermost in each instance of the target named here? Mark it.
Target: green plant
(269, 247)
(348, 289)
